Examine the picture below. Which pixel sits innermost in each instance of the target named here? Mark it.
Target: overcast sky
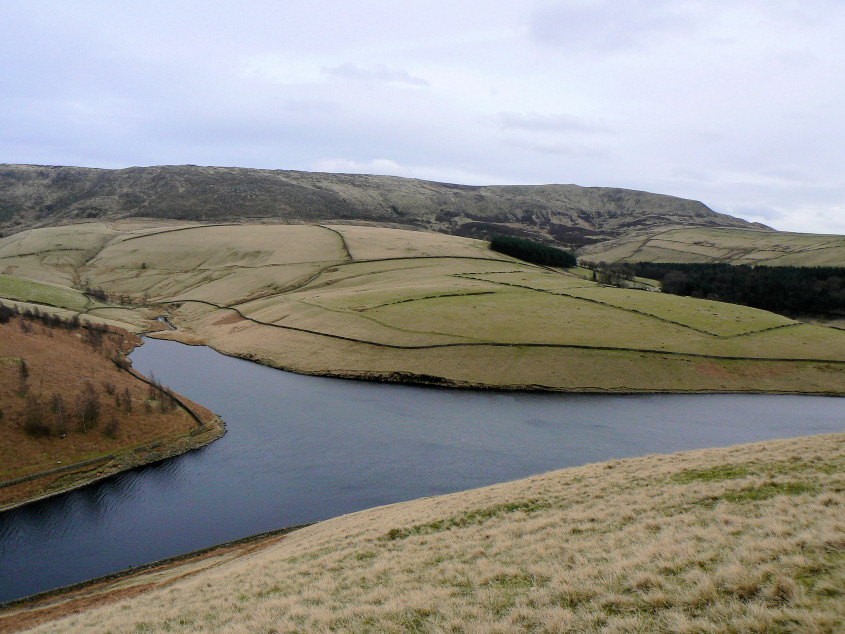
(739, 104)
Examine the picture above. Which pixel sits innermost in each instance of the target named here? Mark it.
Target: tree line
(615, 274)
(93, 334)
(789, 290)
(49, 320)
(533, 252)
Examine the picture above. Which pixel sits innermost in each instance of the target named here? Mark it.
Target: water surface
(301, 449)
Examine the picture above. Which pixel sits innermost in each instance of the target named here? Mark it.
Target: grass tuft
(650, 558)
(711, 474)
(770, 490)
(477, 516)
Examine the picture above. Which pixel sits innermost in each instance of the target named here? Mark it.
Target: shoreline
(81, 474)
(426, 380)
(119, 584)
(114, 464)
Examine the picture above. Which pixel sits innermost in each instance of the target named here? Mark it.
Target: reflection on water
(301, 449)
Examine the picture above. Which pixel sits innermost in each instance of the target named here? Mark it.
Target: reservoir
(302, 449)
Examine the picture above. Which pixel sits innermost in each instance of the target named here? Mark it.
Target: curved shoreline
(116, 463)
(418, 379)
(80, 474)
(18, 613)
(742, 482)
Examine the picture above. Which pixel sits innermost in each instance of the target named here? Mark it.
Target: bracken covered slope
(570, 215)
(71, 414)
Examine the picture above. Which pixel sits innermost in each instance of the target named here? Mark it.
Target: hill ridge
(565, 214)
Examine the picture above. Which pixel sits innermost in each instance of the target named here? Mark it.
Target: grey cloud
(377, 73)
(691, 174)
(548, 123)
(767, 214)
(558, 149)
(310, 106)
(607, 25)
(790, 177)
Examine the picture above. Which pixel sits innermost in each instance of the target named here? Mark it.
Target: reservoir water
(301, 449)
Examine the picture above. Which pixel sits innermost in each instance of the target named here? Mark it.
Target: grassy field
(56, 255)
(54, 295)
(744, 539)
(400, 305)
(737, 246)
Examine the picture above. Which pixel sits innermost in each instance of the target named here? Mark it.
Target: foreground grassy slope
(413, 306)
(733, 245)
(744, 539)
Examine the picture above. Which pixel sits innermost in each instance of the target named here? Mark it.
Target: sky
(740, 105)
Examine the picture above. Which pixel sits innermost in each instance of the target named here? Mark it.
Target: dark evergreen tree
(533, 252)
(789, 290)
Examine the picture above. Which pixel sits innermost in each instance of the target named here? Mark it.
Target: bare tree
(127, 400)
(112, 427)
(34, 422)
(23, 375)
(93, 336)
(89, 407)
(58, 406)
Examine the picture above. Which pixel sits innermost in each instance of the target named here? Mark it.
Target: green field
(408, 305)
(24, 290)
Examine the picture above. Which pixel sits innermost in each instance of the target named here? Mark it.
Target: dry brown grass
(744, 539)
(380, 243)
(53, 255)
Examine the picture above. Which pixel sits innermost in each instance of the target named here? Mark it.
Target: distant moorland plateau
(570, 215)
(602, 223)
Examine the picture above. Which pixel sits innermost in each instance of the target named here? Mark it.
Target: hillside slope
(720, 244)
(744, 539)
(412, 306)
(566, 214)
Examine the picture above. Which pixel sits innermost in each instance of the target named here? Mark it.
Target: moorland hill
(569, 215)
(721, 245)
